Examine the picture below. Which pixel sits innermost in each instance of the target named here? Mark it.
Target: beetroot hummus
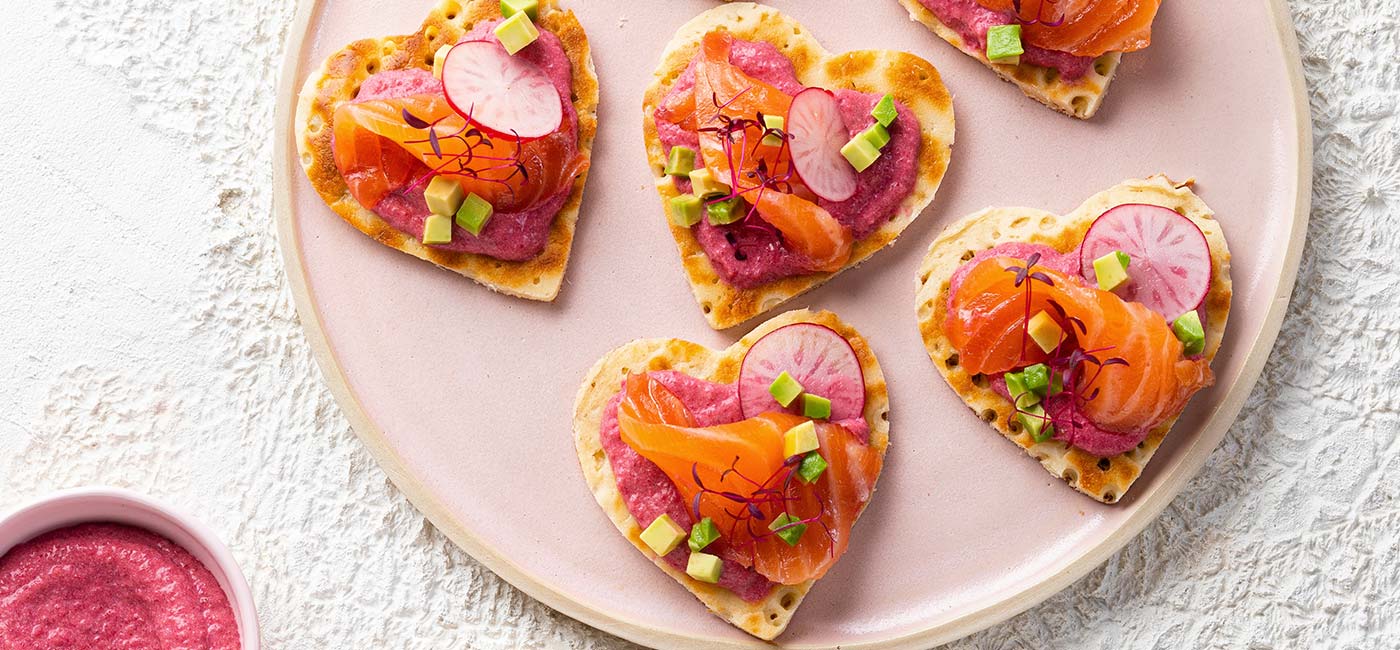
(971, 21)
(110, 587)
(747, 257)
(649, 493)
(509, 236)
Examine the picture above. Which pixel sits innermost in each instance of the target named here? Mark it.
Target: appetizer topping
(800, 439)
(1088, 28)
(1188, 330)
(788, 528)
(1004, 44)
(530, 8)
(817, 136)
(1111, 270)
(703, 534)
(704, 184)
(704, 567)
(680, 162)
(437, 229)
(1021, 394)
(772, 131)
(1036, 422)
(1171, 259)
(516, 32)
(500, 92)
(885, 111)
(785, 389)
(663, 535)
(474, 214)
(1045, 331)
(686, 210)
(439, 57)
(444, 196)
(724, 211)
(861, 153)
(817, 359)
(811, 467)
(877, 135)
(816, 406)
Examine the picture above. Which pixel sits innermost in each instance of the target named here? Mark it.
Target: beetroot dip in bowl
(108, 569)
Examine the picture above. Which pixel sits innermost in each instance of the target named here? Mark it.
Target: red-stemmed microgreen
(778, 493)
(462, 164)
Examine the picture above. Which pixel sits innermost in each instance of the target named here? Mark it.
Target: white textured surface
(150, 341)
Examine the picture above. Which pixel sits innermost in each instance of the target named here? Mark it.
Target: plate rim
(987, 615)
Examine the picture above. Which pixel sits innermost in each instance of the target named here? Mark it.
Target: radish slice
(1171, 267)
(817, 357)
(818, 133)
(502, 93)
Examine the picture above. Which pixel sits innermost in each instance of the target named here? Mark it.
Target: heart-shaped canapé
(1081, 337)
(815, 161)
(743, 501)
(386, 145)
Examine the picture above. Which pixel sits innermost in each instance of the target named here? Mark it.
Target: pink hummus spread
(110, 587)
(971, 21)
(509, 236)
(649, 493)
(747, 257)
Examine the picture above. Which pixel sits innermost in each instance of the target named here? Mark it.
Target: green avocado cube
(724, 212)
(443, 195)
(877, 135)
(815, 406)
(1036, 378)
(530, 8)
(474, 214)
(703, 534)
(800, 440)
(680, 162)
(1033, 419)
(860, 152)
(1004, 44)
(787, 528)
(663, 535)
(1192, 335)
(772, 122)
(704, 567)
(1111, 270)
(516, 32)
(686, 210)
(704, 184)
(811, 467)
(885, 111)
(1021, 394)
(437, 229)
(785, 389)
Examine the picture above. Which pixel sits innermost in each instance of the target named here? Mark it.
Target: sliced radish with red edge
(818, 133)
(1170, 269)
(817, 357)
(504, 94)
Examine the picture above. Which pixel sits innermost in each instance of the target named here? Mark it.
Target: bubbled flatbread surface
(768, 618)
(1105, 479)
(338, 80)
(910, 79)
(1079, 98)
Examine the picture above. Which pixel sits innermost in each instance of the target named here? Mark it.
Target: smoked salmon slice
(1083, 27)
(742, 481)
(986, 324)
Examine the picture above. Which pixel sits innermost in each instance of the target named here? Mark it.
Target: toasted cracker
(339, 79)
(766, 619)
(1079, 98)
(960, 241)
(910, 79)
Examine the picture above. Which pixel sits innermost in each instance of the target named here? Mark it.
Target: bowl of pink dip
(108, 569)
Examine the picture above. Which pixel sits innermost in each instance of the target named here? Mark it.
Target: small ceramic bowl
(107, 504)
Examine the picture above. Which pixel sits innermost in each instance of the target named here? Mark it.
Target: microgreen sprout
(461, 164)
(776, 494)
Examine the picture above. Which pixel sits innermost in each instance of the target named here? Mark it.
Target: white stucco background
(149, 341)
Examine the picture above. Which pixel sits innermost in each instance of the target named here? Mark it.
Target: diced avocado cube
(680, 162)
(815, 406)
(516, 32)
(1021, 394)
(724, 212)
(444, 196)
(663, 535)
(1036, 378)
(686, 210)
(703, 534)
(811, 467)
(877, 135)
(704, 567)
(438, 58)
(1004, 44)
(860, 152)
(1036, 423)
(474, 214)
(1111, 270)
(704, 184)
(800, 440)
(1192, 335)
(791, 531)
(885, 111)
(773, 122)
(437, 229)
(785, 389)
(1045, 331)
(531, 8)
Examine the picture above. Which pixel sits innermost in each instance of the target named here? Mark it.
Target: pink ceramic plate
(464, 396)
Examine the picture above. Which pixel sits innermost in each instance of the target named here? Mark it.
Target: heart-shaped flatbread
(910, 79)
(1079, 98)
(338, 80)
(1105, 479)
(768, 618)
